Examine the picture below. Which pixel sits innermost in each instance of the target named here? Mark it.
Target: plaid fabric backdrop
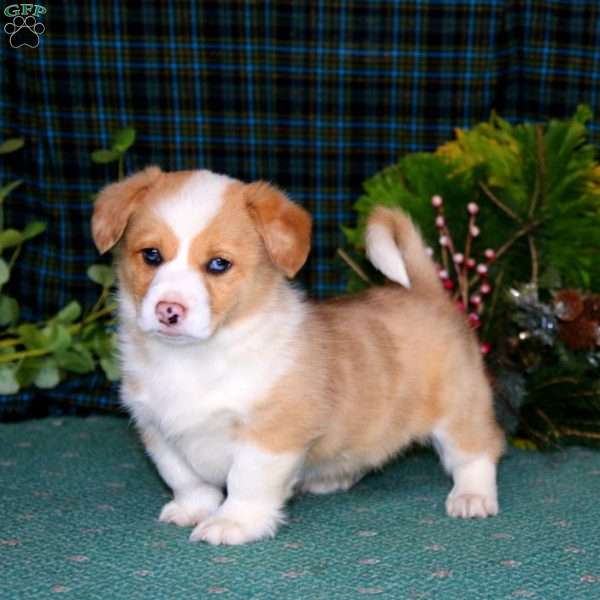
(314, 96)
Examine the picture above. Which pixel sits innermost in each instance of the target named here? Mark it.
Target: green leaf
(9, 310)
(11, 145)
(103, 157)
(78, 360)
(583, 114)
(102, 275)
(57, 336)
(4, 272)
(104, 344)
(8, 380)
(110, 366)
(28, 369)
(33, 229)
(48, 375)
(69, 314)
(33, 337)
(9, 238)
(6, 189)
(122, 139)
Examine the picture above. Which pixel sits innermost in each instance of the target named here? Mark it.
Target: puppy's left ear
(283, 225)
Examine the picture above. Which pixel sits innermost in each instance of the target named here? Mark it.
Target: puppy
(239, 385)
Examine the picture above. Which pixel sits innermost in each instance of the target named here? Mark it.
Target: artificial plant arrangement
(512, 216)
(75, 341)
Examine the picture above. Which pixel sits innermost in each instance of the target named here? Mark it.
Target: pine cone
(578, 319)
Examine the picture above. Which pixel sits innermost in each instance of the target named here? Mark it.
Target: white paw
(184, 516)
(192, 509)
(471, 505)
(234, 527)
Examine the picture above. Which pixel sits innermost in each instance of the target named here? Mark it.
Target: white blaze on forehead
(190, 210)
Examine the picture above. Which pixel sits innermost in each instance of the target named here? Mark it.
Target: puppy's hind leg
(328, 485)
(469, 452)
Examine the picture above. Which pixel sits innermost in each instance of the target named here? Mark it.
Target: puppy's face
(197, 249)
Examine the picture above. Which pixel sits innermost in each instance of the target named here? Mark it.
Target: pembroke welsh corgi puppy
(244, 392)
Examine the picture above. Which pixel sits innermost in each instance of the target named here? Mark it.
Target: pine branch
(491, 196)
(354, 266)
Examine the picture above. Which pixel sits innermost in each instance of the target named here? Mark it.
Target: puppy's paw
(189, 510)
(471, 505)
(239, 526)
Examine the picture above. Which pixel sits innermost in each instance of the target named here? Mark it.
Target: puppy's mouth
(173, 335)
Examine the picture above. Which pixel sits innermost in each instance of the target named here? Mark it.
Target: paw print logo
(24, 31)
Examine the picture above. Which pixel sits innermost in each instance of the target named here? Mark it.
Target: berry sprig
(461, 273)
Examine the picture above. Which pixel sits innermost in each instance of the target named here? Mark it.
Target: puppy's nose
(170, 313)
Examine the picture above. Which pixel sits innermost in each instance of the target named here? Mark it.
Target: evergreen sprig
(538, 189)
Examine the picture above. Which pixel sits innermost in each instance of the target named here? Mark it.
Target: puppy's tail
(396, 248)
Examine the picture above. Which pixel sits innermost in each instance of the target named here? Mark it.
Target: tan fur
(284, 226)
(145, 230)
(116, 203)
(232, 235)
(367, 390)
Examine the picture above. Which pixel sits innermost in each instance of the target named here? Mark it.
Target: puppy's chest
(198, 403)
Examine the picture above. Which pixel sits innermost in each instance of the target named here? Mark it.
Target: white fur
(258, 484)
(385, 255)
(474, 493)
(195, 206)
(192, 396)
(194, 500)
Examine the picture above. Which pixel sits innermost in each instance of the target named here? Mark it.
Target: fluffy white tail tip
(385, 255)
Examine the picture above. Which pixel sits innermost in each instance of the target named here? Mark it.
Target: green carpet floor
(79, 502)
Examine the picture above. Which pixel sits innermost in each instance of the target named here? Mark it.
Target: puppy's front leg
(258, 485)
(193, 500)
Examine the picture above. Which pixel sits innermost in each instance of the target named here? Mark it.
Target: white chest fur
(196, 394)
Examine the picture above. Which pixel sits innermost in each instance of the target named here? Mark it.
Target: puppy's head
(197, 249)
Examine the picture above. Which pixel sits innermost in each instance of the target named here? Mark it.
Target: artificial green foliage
(73, 341)
(120, 141)
(43, 354)
(545, 391)
(538, 189)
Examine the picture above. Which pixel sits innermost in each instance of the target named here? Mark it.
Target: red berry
(490, 254)
(474, 320)
(448, 284)
(437, 201)
(485, 288)
(472, 208)
(470, 263)
(475, 299)
(485, 348)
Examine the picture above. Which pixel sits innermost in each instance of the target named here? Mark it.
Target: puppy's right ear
(116, 203)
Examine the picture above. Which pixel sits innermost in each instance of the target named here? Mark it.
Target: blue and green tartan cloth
(313, 96)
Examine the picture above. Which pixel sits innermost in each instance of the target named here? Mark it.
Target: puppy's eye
(218, 265)
(152, 256)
